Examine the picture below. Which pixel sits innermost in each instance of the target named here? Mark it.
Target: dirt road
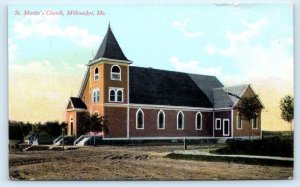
(130, 163)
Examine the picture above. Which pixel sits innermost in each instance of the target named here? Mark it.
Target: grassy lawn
(274, 144)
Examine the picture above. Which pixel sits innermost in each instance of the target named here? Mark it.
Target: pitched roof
(77, 103)
(222, 99)
(110, 48)
(160, 87)
(207, 84)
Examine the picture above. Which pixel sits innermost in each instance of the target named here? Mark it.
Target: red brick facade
(121, 116)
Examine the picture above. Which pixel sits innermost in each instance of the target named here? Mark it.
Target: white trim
(133, 105)
(96, 74)
(84, 82)
(222, 109)
(76, 109)
(200, 121)
(111, 73)
(168, 138)
(71, 119)
(116, 94)
(93, 91)
(226, 134)
(128, 120)
(247, 137)
(136, 119)
(216, 124)
(180, 112)
(237, 121)
(249, 86)
(114, 88)
(256, 121)
(110, 60)
(164, 120)
(231, 124)
(213, 121)
(168, 107)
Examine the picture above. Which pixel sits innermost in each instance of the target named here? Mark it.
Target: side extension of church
(152, 104)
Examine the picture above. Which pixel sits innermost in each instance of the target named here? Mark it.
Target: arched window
(115, 73)
(161, 120)
(198, 121)
(239, 121)
(140, 119)
(96, 74)
(254, 122)
(180, 121)
(112, 95)
(116, 94)
(119, 95)
(96, 95)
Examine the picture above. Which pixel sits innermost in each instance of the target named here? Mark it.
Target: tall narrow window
(112, 95)
(161, 120)
(254, 123)
(115, 73)
(180, 120)
(218, 123)
(226, 128)
(239, 121)
(96, 95)
(96, 74)
(119, 95)
(71, 126)
(139, 119)
(198, 121)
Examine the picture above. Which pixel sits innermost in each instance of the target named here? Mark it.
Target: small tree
(287, 109)
(91, 123)
(248, 108)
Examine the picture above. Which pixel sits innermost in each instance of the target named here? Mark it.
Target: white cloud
(266, 61)
(239, 40)
(49, 26)
(194, 67)
(181, 25)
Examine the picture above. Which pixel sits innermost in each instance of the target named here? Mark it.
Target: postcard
(151, 91)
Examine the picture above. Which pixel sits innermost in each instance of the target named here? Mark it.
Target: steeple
(110, 48)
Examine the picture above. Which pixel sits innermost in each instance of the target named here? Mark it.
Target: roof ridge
(172, 71)
(232, 86)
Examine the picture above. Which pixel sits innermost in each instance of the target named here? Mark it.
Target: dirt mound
(28, 161)
(126, 157)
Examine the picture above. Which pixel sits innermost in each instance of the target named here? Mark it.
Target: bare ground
(130, 163)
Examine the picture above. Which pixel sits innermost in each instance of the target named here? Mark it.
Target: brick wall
(151, 130)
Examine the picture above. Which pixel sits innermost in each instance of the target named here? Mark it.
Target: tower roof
(110, 48)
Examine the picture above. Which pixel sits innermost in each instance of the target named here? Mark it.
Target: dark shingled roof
(110, 48)
(222, 99)
(207, 84)
(77, 103)
(160, 87)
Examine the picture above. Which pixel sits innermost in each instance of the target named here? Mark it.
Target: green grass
(251, 161)
(273, 146)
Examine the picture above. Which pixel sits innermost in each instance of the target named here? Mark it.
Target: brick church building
(151, 104)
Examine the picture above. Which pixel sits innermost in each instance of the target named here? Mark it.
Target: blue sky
(248, 43)
(155, 36)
